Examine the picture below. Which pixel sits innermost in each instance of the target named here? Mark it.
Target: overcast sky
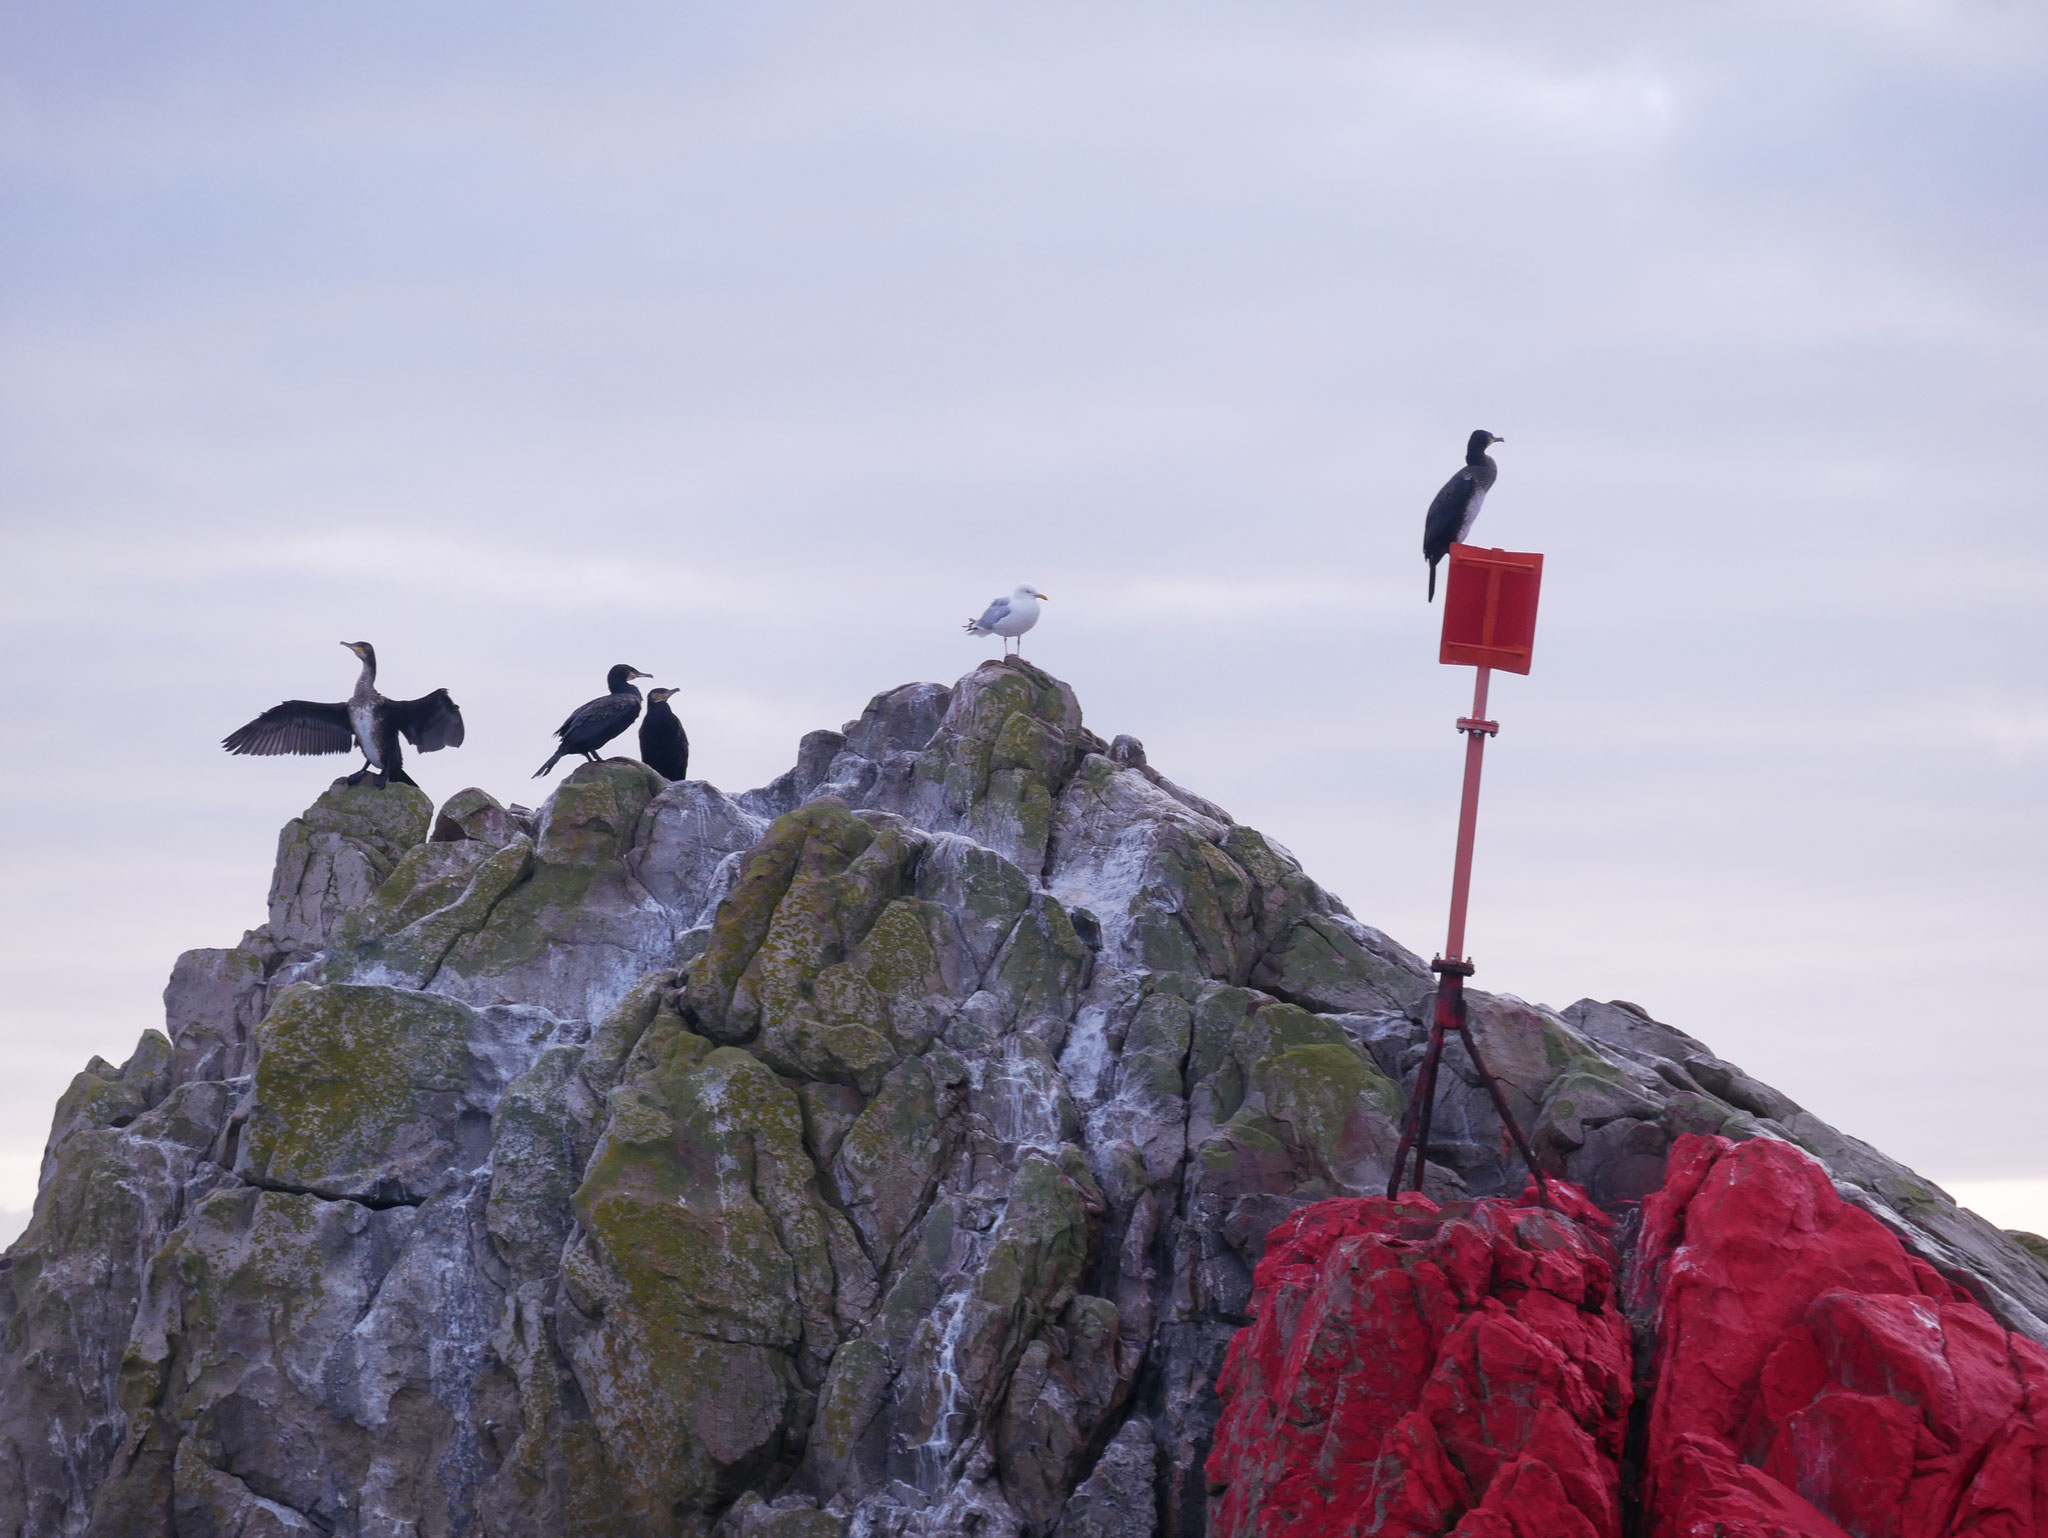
(760, 345)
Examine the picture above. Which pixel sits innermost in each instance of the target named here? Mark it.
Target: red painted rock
(1412, 1371)
(1812, 1378)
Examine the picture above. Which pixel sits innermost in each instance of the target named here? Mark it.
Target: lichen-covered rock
(332, 858)
(211, 1006)
(886, 1151)
(579, 929)
(360, 1092)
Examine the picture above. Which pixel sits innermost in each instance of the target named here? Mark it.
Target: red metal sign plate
(1490, 608)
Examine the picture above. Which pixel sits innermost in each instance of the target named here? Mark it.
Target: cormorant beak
(638, 674)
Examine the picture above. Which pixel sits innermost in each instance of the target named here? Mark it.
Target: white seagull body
(1009, 617)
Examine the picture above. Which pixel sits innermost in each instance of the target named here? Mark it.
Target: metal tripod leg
(1449, 1017)
(1500, 1102)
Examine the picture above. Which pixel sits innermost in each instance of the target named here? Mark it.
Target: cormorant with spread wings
(365, 719)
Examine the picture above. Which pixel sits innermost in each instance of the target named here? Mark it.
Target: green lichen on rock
(1041, 966)
(358, 1092)
(711, 1266)
(102, 1095)
(816, 956)
(996, 765)
(332, 858)
(1284, 1091)
(612, 1043)
(539, 1144)
(439, 894)
(248, 1303)
(887, 1163)
(594, 813)
(900, 960)
(848, 1411)
(563, 928)
(1317, 963)
(1590, 1093)
(1040, 1254)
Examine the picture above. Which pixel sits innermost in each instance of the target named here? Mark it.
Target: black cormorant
(1451, 514)
(365, 719)
(592, 725)
(664, 745)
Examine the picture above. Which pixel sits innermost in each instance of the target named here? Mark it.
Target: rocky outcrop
(886, 1151)
(1813, 1377)
(1415, 1371)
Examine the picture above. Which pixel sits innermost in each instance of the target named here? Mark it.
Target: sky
(759, 346)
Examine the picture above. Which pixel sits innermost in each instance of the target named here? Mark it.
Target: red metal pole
(1476, 729)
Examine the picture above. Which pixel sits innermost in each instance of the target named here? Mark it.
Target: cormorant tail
(1432, 582)
(396, 775)
(552, 761)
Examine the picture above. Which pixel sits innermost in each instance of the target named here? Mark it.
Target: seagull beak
(1046, 596)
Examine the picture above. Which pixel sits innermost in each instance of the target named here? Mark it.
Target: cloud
(760, 347)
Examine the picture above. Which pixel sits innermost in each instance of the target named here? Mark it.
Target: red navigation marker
(1489, 622)
(1490, 608)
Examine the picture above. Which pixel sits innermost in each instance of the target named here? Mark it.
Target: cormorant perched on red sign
(1451, 514)
(365, 719)
(593, 724)
(664, 745)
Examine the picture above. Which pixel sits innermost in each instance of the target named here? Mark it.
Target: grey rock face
(1115, 1501)
(881, 1153)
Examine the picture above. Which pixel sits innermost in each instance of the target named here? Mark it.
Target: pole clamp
(1470, 724)
(1454, 967)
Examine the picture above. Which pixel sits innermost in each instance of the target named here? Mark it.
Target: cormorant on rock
(365, 719)
(1451, 514)
(590, 726)
(664, 745)
(1009, 617)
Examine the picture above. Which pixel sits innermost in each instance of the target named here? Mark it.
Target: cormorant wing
(1446, 514)
(433, 721)
(296, 726)
(604, 717)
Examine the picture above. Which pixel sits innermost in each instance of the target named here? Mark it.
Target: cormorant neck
(367, 679)
(620, 681)
(1478, 457)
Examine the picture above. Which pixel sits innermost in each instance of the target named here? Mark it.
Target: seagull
(1009, 617)
(1451, 514)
